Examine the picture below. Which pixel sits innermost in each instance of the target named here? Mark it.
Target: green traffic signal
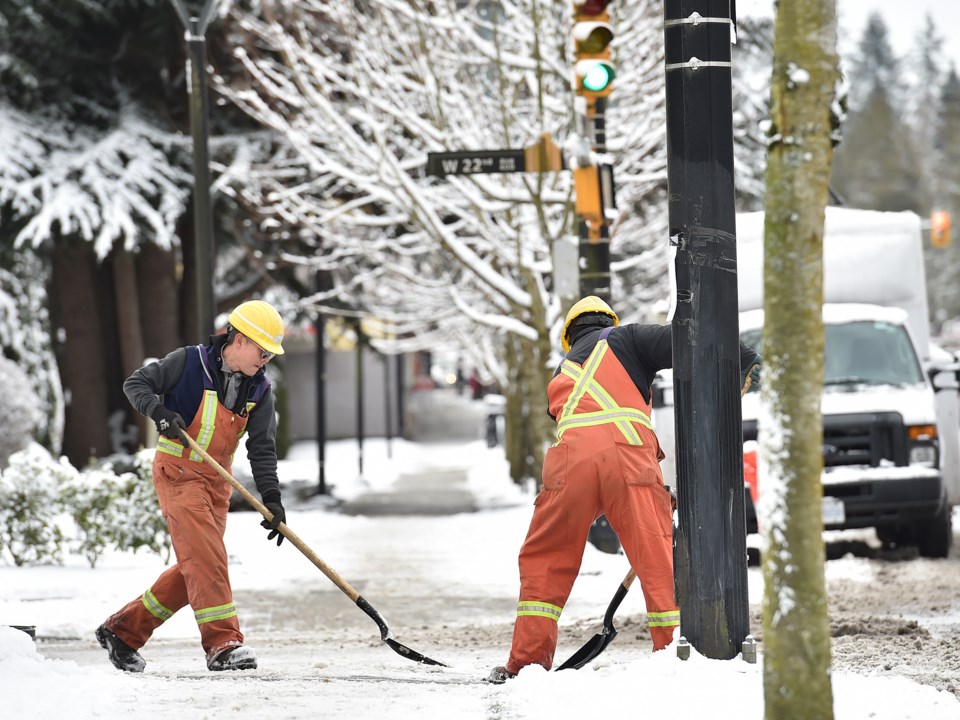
(598, 78)
(595, 76)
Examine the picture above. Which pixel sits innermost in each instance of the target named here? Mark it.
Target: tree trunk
(796, 631)
(528, 427)
(81, 351)
(129, 333)
(159, 291)
(128, 311)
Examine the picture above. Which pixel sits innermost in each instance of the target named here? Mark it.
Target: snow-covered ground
(446, 585)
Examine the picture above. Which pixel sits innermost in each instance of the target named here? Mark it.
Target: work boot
(121, 655)
(499, 675)
(237, 657)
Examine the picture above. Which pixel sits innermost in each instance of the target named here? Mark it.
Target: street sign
(472, 162)
(543, 156)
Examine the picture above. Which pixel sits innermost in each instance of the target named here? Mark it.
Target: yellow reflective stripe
(169, 446)
(586, 375)
(537, 608)
(221, 612)
(155, 607)
(663, 619)
(618, 415)
(207, 420)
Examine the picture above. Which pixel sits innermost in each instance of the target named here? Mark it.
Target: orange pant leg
(197, 515)
(195, 508)
(640, 512)
(551, 555)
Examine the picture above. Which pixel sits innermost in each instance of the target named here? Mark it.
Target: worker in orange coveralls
(222, 389)
(605, 461)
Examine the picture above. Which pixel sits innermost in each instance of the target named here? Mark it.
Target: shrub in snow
(45, 502)
(20, 408)
(26, 338)
(114, 504)
(30, 505)
(139, 522)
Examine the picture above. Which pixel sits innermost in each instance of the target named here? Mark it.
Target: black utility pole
(358, 356)
(196, 28)
(711, 572)
(387, 398)
(321, 375)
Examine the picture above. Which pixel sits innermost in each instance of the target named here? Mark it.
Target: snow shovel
(335, 578)
(598, 643)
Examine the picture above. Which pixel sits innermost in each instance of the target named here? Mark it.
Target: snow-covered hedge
(47, 505)
(21, 407)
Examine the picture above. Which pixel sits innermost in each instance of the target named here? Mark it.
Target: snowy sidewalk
(441, 491)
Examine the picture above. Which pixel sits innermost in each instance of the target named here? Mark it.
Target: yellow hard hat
(260, 322)
(589, 304)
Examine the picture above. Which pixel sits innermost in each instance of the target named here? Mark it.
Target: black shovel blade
(412, 654)
(594, 646)
(598, 643)
(387, 637)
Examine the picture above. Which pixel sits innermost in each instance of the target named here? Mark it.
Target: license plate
(833, 512)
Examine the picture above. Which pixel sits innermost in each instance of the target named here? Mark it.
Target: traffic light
(593, 72)
(594, 194)
(940, 229)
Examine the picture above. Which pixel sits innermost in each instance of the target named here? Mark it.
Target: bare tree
(463, 261)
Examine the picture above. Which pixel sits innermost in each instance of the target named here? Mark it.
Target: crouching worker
(606, 460)
(214, 393)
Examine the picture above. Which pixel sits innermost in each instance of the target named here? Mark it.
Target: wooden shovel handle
(289, 534)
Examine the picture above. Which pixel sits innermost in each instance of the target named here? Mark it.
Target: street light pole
(195, 30)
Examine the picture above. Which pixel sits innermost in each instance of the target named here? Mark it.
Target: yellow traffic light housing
(940, 229)
(586, 188)
(593, 73)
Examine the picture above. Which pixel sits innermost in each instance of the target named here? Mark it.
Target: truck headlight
(924, 455)
(924, 445)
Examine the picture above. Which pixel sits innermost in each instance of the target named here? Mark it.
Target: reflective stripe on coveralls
(663, 619)
(155, 607)
(539, 609)
(215, 613)
(605, 461)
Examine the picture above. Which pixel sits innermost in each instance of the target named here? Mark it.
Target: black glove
(673, 496)
(750, 375)
(279, 516)
(168, 422)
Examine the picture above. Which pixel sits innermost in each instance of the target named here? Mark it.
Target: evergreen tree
(874, 66)
(943, 264)
(752, 61)
(95, 185)
(876, 165)
(926, 70)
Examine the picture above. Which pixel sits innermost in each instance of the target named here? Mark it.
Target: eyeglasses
(264, 355)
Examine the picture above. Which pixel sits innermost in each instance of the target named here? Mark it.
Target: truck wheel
(935, 537)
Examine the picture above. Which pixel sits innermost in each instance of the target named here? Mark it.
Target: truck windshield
(864, 352)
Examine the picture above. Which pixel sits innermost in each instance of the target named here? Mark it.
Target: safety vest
(587, 397)
(218, 437)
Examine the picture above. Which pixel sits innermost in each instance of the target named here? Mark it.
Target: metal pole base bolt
(749, 650)
(683, 648)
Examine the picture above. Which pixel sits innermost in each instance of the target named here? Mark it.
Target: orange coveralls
(195, 502)
(605, 461)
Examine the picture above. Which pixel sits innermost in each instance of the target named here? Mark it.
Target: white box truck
(891, 433)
